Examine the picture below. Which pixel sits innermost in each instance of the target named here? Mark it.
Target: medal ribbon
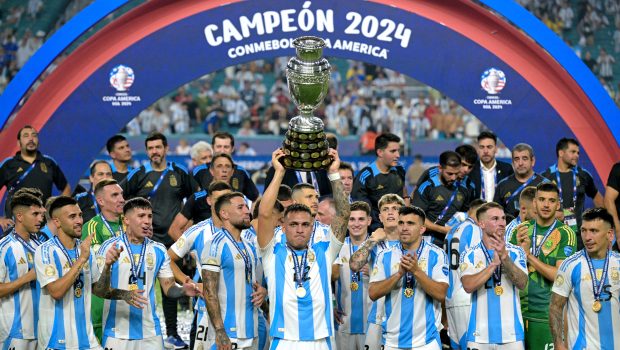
(300, 268)
(247, 261)
(520, 189)
(597, 286)
(445, 209)
(27, 245)
(536, 249)
(156, 187)
(557, 177)
(107, 225)
(78, 282)
(409, 280)
(21, 178)
(135, 268)
(497, 274)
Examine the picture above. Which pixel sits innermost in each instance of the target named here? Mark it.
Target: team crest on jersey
(100, 261)
(150, 263)
(30, 258)
(180, 242)
(459, 197)
(311, 256)
(395, 267)
(173, 181)
(375, 271)
(422, 264)
(43, 168)
(198, 346)
(21, 261)
(235, 183)
(148, 184)
(50, 271)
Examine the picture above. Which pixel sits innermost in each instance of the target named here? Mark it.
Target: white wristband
(333, 177)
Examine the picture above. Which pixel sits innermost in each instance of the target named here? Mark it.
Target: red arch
(463, 16)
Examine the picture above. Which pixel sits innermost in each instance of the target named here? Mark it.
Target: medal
(136, 266)
(499, 290)
(408, 292)
(354, 286)
(497, 273)
(77, 292)
(355, 276)
(133, 287)
(300, 292)
(597, 306)
(300, 271)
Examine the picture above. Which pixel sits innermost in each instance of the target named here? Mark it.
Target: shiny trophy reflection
(306, 146)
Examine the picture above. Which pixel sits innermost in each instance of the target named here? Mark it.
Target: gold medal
(78, 292)
(408, 292)
(300, 292)
(133, 287)
(354, 286)
(499, 290)
(597, 306)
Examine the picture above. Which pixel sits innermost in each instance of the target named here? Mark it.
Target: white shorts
(348, 341)
(13, 343)
(518, 345)
(283, 344)
(210, 344)
(374, 337)
(152, 343)
(458, 322)
(435, 345)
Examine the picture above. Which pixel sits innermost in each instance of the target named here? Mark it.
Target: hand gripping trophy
(305, 145)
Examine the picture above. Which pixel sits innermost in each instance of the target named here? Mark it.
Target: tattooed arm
(343, 209)
(103, 290)
(210, 283)
(556, 319)
(360, 257)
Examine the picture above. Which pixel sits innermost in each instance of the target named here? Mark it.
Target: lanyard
(557, 177)
(27, 245)
(135, 268)
(97, 211)
(482, 186)
(409, 281)
(244, 254)
(315, 183)
(156, 187)
(445, 210)
(516, 193)
(107, 225)
(21, 178)
(536, 249)
(597, 286)
(65, 252)
(497, 274)
(300, 267)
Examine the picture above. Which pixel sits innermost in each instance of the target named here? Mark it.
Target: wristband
(333, 177)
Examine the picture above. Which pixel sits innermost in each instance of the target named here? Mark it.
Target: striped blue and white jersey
(588, 329)
(304, 318)
(510, 227)
(193, 242)
(460, 238)
(228, 258)
(352, 299)
(494, 319)
(66, 323)
(120, 320)
(376, 314)
(19, 312)
(400, 329)
(320, 233)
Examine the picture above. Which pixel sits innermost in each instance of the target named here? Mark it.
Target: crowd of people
(482, 254)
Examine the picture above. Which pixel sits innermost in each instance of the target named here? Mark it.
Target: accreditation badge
(570, 218)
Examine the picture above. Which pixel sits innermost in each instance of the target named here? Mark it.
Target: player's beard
(241, 225)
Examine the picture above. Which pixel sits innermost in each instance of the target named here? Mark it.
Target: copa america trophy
(305, 145)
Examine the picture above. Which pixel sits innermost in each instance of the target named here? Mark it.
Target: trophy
(305, 145)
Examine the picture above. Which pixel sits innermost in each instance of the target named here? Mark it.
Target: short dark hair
(411, 209)
(154, 136)
(297, 208)
(60, 202)
(598, 214)
(30, 190)
(486, 207)
(346, 166)
(361, 206)
(24, 200)
(477, 203)
(103, 183)
(382, 141)
(112, 141)
(136, 203)
(222, 155)
(468, 153)
(449, 158)
(547, 187)
(19, 133)
(528, 194)
(225, 199)
(487, 135)
(216, 186)
(97, 162)
(300, 186)
(563, 144)
(520, 147)
(277, 206)
(332, 140)
(284, 193)
(223, 135)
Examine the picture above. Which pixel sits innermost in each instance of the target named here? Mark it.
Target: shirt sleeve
(95, 272)
(379, 272)
(590, 187)
(334, 247)
(165, 271)
(184, 244)
(470, 265)
(59, 178)
(359, 190)
(249, 188)
(568, 243)
(188, 208)
(613, 180)
(563, 284)
(3, 266)
(440, 271)
(421, 198)
(518, 256)
(212, 256)
(45, 266)
(189, 185)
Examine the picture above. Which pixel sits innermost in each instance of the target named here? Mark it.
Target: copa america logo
(121, 78)
(493, 81)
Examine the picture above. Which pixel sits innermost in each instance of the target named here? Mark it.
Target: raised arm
(264, 234)
(343, 209)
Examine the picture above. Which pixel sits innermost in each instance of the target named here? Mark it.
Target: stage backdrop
(520, 81)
